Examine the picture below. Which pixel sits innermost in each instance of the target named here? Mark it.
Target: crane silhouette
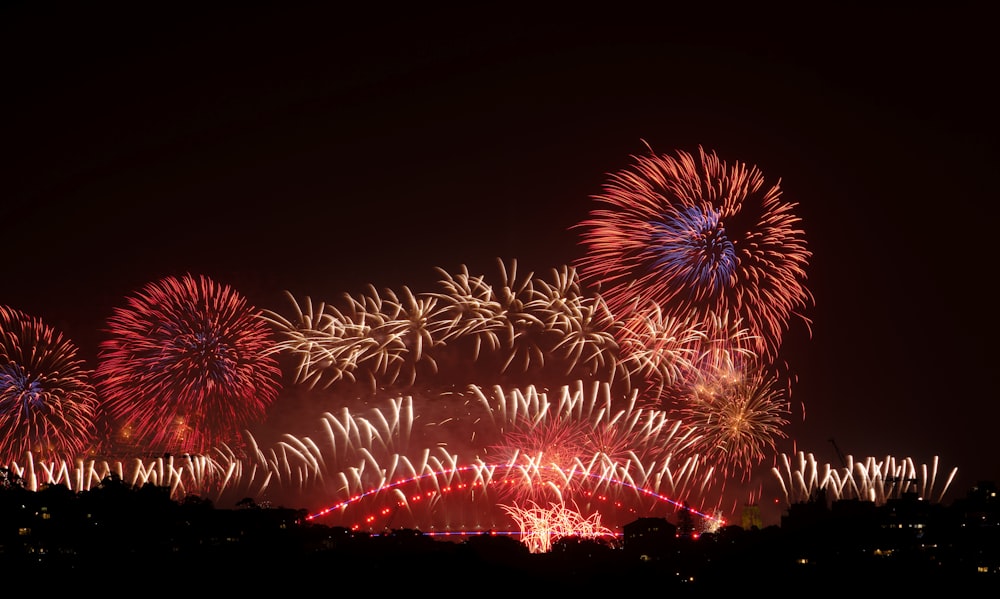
(892, 480)
(840, 454)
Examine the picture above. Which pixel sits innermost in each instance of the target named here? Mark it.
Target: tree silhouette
(10, 479)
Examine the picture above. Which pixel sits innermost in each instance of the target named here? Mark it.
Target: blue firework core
(19, 391)
(209, 353)
(692, 246)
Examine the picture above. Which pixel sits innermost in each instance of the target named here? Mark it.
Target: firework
(694, 270)
(586, 328)
(380, 341)
(522, 326)
(418, 329)
(419, 411)
(659, 348)
(187, 364)
(444, 462)
(549, 450)
(211, 477)
(47, 402)
(698, 236)
(871, 479)
(581, 430)
(666, 354)
(472, 310)
(525, 316)
(739, 414)
(541, 527)
(321, 341)
(433, 460)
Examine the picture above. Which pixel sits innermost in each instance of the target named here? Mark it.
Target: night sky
(317, 152)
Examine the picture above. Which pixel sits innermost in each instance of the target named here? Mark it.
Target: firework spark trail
(653, 348)
(928, 482)
(871, 479)
(672, 354)
(561, 298)
(376, 338)
(541, 527)
(583, 326)
(615, 464)
(47, 402)
(587, 339)
(417, 325)
(728, 345)
(659, 347)
(523, 324)
(297, 463)
(619, 424)
(521, 309)
(326, 352)
(188, 475)
(700, 236)
(472, 310)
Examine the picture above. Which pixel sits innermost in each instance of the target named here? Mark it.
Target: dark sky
(320, 151)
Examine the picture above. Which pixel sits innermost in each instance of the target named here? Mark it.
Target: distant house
(648, 539)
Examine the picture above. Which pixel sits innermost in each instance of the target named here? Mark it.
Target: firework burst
(472, 309)
(541, 527)
(739, 414)
(698, 236)
(588, 342)
(416, 325)
(47, 402)
(187, 364)
(548, 448)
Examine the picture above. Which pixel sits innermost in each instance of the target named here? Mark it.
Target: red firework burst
(552, 447)
(47, 403)
(188, 363)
